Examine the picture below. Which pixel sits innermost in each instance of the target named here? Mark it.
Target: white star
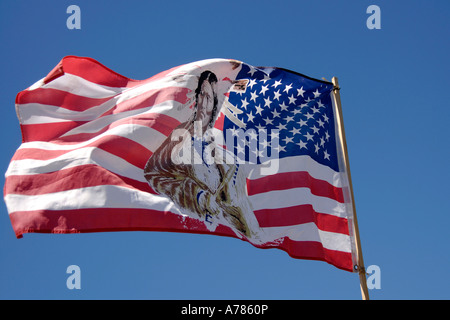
(320, 104)
(281, 126)
(277, 95)
(314, 109)
(327, 136)
(300, 92)
(317, 148)
(244, 103)
(295, 131)
(292, 99)
(275, 113)
(252, 134)
(320, 122)
(268, 121)
(277, 83)
(274, 134)
(254, 96)
(302, 123)
(267, 102)
(309, 116)
(280, 148)
(322, 141)
(302, 144)
(234, 131)
(289, 119)
(264, 143)
(309, 136)
(261, 128)
(316, 93)
(250, 117)
(264, 89)
(287, 88)
(287, 140)
(258, 110)
(266, 77)
(315, 129)
(252, 70)
(326, 155)
(283, 107)
(325, 118)
(251, 83)
(240, 149)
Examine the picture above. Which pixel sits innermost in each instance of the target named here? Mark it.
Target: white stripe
(36, 85)
(309, 232)
(305, 163)
(36, 113)
(295, 197)
(147, 137)
(79, 86)
(107, 196)
(167, 108)
(88, 155)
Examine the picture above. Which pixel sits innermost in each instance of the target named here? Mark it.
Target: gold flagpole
(360, 265)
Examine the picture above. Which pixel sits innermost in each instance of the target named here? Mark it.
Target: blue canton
(299, 107)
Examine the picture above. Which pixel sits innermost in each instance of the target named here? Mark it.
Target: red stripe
(157, 121)
(107, 219)
(123, 219)
(55, 97)
(42, 154)
(289, 180)
(126, 149)
(301, 214)
(37, 154)
(312, 250)
(151, 98)
(88, 175)
(219, 122)
(47, 131)
(53, 131)
(69, 101)
(94, 71)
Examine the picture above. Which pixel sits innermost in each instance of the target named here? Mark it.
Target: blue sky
(395, 101)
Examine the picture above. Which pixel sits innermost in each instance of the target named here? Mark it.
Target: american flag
(89, 132)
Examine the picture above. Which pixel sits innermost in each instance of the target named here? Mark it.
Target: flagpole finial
(335, 82)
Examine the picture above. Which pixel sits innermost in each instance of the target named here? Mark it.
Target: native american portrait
(204, 189)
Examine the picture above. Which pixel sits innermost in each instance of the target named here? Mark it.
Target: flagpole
(360, 264)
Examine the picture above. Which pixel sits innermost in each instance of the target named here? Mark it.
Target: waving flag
(215, 146)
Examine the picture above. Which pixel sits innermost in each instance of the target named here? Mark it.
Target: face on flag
(216, 147)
